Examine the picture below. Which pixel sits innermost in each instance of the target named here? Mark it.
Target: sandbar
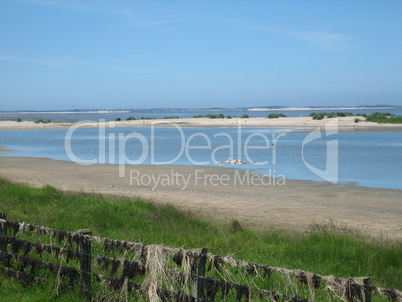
(304, 124)
(218, 192)
(4, 150)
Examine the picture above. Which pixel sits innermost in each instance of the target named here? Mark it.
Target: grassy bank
(327, 249)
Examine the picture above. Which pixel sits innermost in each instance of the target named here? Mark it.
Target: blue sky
(65, 54)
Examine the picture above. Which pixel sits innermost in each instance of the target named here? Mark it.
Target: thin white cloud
(162, 22)
(137, 16)
(132, 15)
(143, 18)
(71, 62)
(51, 61)
(71, 4)
(328, 41)
(325, 40)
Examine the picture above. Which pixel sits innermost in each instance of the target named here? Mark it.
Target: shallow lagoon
(372, 159)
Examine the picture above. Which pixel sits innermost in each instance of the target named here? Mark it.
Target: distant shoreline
(62, 112)
(301, 124)
(291, 108)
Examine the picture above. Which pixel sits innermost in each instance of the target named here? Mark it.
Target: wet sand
(225, 194)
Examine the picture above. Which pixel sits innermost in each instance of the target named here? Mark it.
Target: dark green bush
(42, 121)
(209, 116)
(276, 115)
(322, 115)
(379, 117)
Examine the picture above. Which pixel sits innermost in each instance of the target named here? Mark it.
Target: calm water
(369, 159)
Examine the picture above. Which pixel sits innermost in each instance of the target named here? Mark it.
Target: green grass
(327, 249)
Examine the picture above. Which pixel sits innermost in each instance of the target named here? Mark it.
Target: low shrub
(276, 115)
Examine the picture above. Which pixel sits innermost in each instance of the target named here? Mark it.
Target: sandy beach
(225, 194)
(345, 124)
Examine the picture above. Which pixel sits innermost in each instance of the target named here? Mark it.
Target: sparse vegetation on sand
(376, 117)
(326, 249)
(388, 118)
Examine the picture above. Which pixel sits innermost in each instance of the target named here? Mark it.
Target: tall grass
(327, 249)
